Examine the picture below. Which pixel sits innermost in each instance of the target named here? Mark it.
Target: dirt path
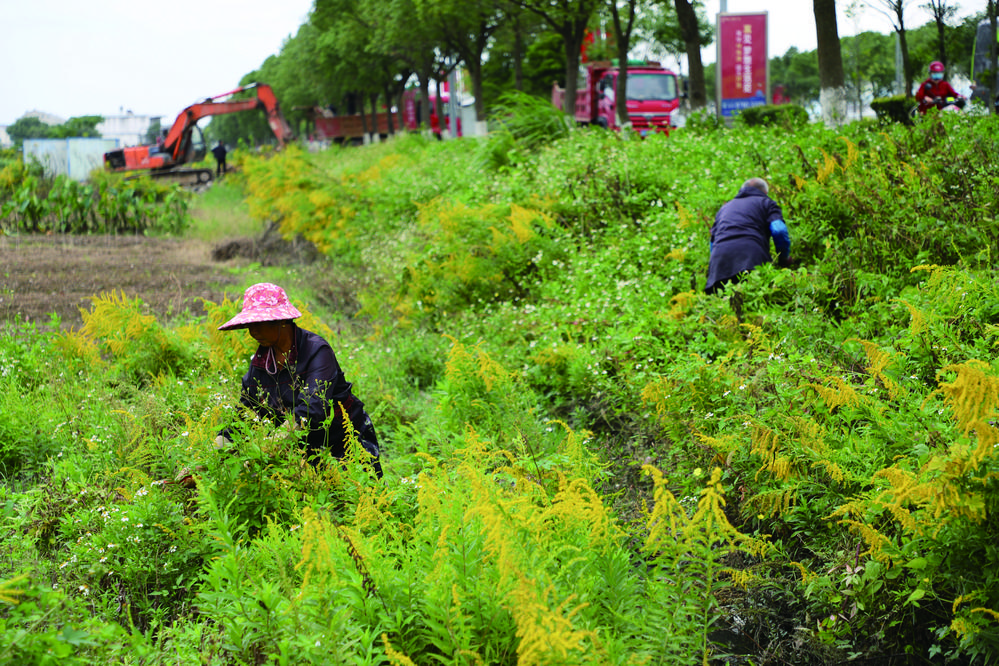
(40, 275)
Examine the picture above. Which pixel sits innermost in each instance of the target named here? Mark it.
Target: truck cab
(653, 96)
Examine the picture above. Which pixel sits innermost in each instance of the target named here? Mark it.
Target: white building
(5, 140)
(47, 118)
(75, 157)
(129, 129)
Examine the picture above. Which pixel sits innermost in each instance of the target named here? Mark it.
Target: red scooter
(943, 103)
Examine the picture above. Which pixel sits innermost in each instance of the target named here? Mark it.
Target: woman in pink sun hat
(294, 373)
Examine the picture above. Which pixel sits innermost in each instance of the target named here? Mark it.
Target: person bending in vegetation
(294, 374)
(740, 237)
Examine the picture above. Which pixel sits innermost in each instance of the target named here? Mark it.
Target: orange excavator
(184, 143)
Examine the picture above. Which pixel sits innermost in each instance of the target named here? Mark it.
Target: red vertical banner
(742, 62)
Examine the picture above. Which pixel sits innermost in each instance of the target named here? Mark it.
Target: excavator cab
(196, 148)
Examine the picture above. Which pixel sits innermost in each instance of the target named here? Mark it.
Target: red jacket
(930, 89)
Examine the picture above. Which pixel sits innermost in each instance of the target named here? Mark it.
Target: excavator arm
(176, 141)
(178, 148)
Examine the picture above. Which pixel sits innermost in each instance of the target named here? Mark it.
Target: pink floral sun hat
(262, 302)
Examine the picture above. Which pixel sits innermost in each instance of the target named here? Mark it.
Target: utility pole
(723, 7)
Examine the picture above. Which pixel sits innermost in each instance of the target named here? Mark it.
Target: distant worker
(219, 152)
(740, 237)
(937, 92)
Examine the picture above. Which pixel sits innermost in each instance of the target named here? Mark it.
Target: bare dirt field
(40, 275)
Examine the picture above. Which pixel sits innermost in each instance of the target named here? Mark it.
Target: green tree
(799, 74)
(895, 11)
(33, 128)
(623, 13)
(924, 48)
(155, 126)
(869, 60)
(942, 11)
(568, 18)
(346, 52)
(27, 128)
(961, 44)
(301, 83)
(690, 33)
(830, 61)
(397, 33)
(467, 26)
(248, 127)
(524, 56)
(85, 126)
(658, 26)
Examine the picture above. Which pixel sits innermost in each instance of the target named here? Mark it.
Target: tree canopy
(360, 55)
(33, 128)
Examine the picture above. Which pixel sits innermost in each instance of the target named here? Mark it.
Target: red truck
(653, 95)
(351, 128)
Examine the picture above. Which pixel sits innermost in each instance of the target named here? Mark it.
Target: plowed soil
(42, 275)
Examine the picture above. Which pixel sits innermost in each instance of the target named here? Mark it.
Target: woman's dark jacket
(309, 386)
(740, 237)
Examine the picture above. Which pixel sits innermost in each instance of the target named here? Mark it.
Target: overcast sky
(100, 57)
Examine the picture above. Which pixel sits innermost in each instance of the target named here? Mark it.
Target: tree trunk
(400, 105)
(518, 55)
(571, 75)
(940, 41)
(687, 18)
(387, 91)
(364, 118)
(993, 59)
(375, 131)
(906, 64)
(424, 100)
(623, 36)
(439, 104)
(475, 72)
(621, 98)
(832, 92)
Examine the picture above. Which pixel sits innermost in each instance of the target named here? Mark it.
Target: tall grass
(588, 460)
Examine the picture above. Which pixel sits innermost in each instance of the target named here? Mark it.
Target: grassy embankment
(587, 459)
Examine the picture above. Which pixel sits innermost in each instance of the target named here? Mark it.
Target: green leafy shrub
(785, 116)
(703, 121)
(46, 627)
(521, 124)
(31, 203)
(590, 461)
(896, 109)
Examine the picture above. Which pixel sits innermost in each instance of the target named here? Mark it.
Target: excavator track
(189, 178)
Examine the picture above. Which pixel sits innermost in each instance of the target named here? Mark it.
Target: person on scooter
(935, 91)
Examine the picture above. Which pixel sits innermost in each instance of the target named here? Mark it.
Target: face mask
(936, 76)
